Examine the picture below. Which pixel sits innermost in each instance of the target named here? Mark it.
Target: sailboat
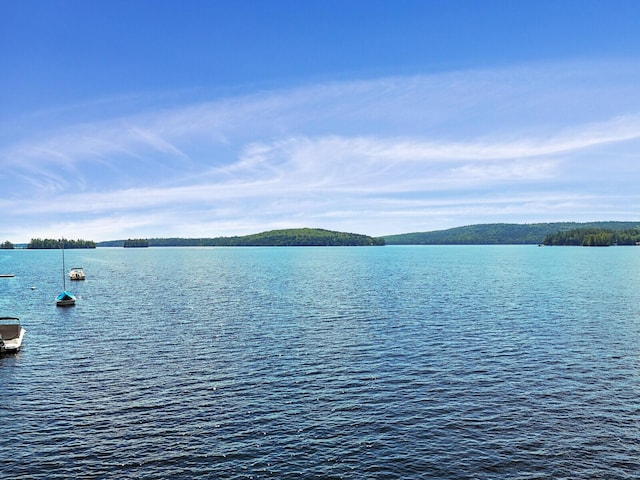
(65, 298)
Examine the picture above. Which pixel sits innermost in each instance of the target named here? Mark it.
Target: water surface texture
(457, 362)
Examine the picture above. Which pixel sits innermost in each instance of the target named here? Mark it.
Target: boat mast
(64, 280)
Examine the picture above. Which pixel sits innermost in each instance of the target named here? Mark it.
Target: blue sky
(203, 118)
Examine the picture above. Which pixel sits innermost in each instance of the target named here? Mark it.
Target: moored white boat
(76, 273)
(11, 335)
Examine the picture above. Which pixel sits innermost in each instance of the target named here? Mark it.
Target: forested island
(501, 233)
(49, 243)
(296, 237)
(594, 237)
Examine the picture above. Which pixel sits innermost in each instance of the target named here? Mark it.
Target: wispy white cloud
(443, 147)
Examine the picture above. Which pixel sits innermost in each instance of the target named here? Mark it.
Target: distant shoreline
(479, 234)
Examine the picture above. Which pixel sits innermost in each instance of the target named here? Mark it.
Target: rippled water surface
(387, 362)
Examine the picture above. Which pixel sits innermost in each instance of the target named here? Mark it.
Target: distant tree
(599, 239)
(7, 245)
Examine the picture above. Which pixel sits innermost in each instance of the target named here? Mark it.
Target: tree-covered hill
(499, 233)
(297, 237)
(304, 237)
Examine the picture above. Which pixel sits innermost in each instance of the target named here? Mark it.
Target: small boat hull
(65, 299)
(76, 273)
(11, 335)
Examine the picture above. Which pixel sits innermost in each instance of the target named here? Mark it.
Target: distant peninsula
(502, 233)
(296, 237)
(594, 237)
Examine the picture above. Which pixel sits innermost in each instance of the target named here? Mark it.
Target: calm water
(393, 362)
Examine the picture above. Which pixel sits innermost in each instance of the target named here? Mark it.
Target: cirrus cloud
(385, 156)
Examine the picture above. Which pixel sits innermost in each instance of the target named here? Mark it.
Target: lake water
(438, 362)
